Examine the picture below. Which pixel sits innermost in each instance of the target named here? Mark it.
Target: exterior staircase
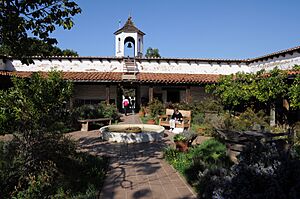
(130, 69)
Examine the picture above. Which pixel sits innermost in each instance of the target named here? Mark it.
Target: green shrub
(179, 137)
(156, 108)
(88, 112)
(198, 118)
(178, 160)
(263, 171)
(248, 120)
(110, 111)
(210, 154)
(40, 159)
(101, 110)
(66, 176)
(38, 187)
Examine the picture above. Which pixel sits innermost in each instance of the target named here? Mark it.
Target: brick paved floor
(136, 170)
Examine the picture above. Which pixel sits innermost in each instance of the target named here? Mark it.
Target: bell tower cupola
(129, 37)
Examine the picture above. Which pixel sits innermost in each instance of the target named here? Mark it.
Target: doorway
(129, 93)
(173, 96)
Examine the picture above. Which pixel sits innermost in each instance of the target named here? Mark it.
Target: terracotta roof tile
(294, 72)
(177, 78)
(164, 78)
(117, 77)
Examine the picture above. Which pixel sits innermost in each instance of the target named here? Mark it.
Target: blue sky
(190, 28)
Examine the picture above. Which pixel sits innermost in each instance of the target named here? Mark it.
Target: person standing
(125, 105)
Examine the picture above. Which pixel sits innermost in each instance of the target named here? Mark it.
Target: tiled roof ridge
(296, 48)
(117, 76)
(129, 27)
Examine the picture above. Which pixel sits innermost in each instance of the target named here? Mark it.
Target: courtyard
(168, 100)
(136, 170)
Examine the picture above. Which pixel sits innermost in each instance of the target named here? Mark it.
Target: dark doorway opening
(173, 96)
(131, 94)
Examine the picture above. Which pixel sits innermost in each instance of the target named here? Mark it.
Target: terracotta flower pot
(142, 114)
(181, 146)
(151, 121)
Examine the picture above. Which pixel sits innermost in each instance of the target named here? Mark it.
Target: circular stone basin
(120, 133)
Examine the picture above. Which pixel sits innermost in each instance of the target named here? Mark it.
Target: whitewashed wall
(70, 65)
(192, 67)
(283, 62)
(112, 64)
(115, 65)
(120, 46)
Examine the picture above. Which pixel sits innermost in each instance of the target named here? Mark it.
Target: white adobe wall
(114, 65)
(282, 62)
(192, 67)
(154, 66)
(72, 65)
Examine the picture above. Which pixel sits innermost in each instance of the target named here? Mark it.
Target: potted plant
(151, 121)
(142, 112)
(181, 142)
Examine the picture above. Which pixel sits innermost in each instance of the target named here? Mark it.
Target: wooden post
(71, 103)
(150, 94)
(272, 115)
(107, 97)
(188, 96)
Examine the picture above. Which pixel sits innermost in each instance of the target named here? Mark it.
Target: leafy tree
(34, 111)
(40, 48)
(152, 52)
(262, 89)
(294, 93)
(69, 52)
(35, 103)
(20, 21)
(247, 88)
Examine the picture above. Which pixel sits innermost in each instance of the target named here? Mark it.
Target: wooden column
(71, 103)
(150, 94)
(188, 96)
(272, 115)
(107, 97)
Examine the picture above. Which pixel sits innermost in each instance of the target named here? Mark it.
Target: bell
(129, 45)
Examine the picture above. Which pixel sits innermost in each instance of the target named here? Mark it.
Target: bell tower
(132, 37)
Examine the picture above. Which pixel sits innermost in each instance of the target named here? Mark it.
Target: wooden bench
(85, 123)
(185, 124)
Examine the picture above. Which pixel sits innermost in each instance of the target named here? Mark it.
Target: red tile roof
(177, 78)
(166, 78)
(294, 72)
